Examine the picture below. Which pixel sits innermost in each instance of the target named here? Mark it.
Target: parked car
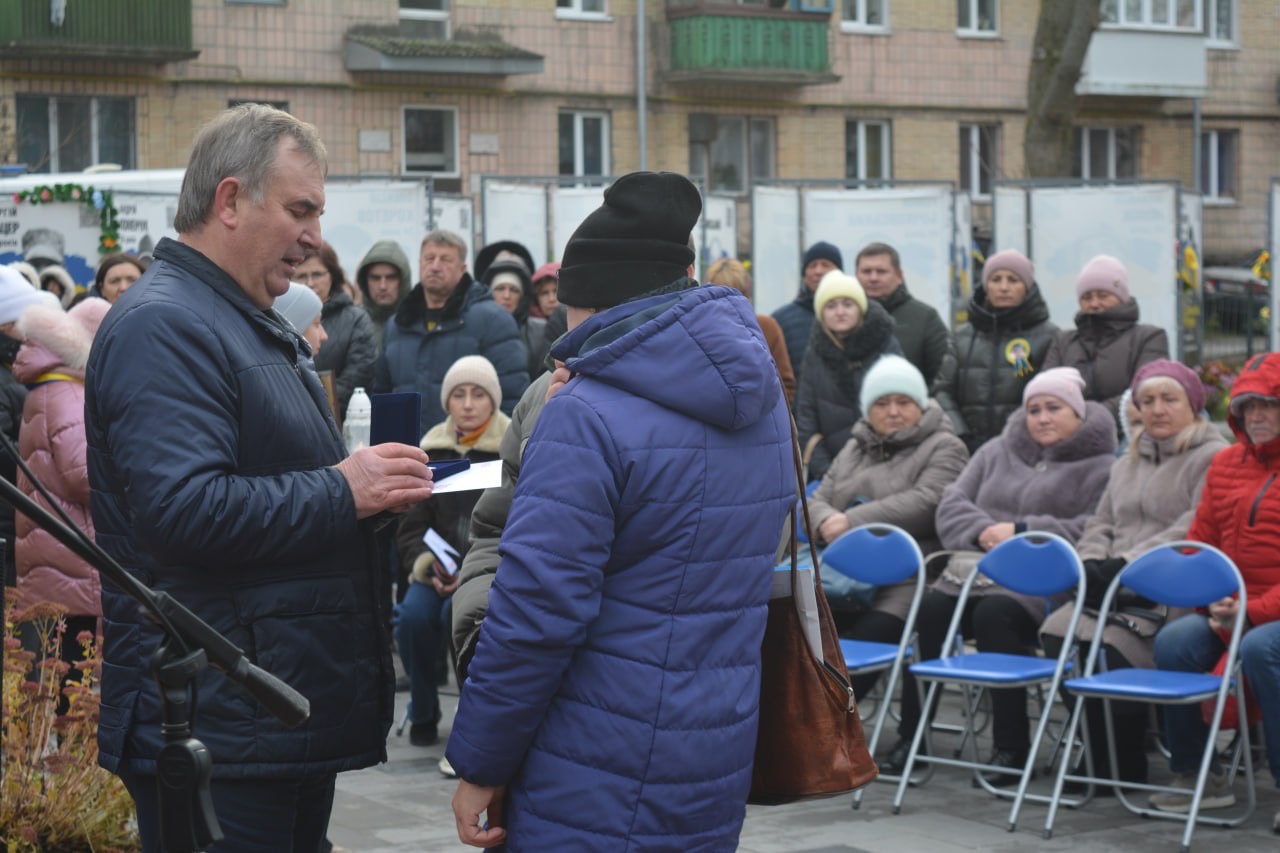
(1236, 300)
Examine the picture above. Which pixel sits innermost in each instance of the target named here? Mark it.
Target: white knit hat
(299, 305)
(893, 374)
(15, 295)
(472, 370)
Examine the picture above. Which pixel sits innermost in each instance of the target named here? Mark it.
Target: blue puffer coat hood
(698, 354)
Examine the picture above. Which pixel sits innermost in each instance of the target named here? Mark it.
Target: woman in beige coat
(902, 453)
(1150, 500)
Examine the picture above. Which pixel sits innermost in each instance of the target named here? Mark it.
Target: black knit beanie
(634, 243)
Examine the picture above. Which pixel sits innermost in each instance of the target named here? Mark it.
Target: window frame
(1212, 39)
(456, 172)
(886, 149)
(95, 131)
(1113, 148)
(575, 12)
(970, 28)
(606, 143)
(1146, 21)
(430, 16)
(751, 169)
(858, 23)
(1211, 145)
(971, 133)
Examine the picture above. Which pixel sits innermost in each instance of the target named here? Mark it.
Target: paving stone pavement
(404, 805)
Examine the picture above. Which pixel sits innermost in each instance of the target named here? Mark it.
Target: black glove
(1098, 575)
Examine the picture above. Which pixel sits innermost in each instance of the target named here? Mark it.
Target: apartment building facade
(734, 92)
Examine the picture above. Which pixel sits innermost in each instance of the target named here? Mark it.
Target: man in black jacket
(796, 317)
(217, 474)
(921, 333)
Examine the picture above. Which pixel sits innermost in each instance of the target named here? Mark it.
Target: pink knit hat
(1104, 272)
(1013, 261)
(1065, 383)
(1163, 368)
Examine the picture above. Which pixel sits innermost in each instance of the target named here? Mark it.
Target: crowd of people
(640, 420)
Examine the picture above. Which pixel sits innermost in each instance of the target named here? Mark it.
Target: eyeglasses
(304, 277)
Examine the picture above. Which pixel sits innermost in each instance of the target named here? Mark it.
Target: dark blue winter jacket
(616, 682)
(210, 447)
(796, 320)
(415, 358)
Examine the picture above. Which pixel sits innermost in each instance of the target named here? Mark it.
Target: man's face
(271, 239)
(441, 268)
(383, 281)
(815, 270)
(877, 276)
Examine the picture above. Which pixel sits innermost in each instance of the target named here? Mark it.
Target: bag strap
(804, 507)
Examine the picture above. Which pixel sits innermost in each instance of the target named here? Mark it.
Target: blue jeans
(256, 815)
(1190, 645)
(421, 632)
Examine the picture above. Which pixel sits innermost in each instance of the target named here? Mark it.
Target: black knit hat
(634, 243)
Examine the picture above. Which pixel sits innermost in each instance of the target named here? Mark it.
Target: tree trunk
(1057, 55)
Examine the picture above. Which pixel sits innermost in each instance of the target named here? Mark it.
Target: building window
(1105, 153)
(431, 140)
(865, 15)
(1218, 159)
(425, 19)
(581, 8)
(1221, 19)
(730, 152)
(867, 150)
(977, 17)
(1158, 14)
(584, 143)
(60, 134)
(978, 152)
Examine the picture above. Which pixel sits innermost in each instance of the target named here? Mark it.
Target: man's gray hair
(444, 237)
(240, 143)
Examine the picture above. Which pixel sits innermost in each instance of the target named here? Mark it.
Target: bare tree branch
(1063, 31)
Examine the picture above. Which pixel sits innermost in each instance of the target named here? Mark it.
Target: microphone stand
(183, 768)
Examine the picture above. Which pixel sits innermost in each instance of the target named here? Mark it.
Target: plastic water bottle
(355, 429)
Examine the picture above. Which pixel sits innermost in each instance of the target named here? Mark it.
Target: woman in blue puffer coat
(613, 696)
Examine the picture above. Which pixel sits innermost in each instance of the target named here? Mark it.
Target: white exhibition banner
(358, 214)
(775, 246)
(516, 212)
(569, 206)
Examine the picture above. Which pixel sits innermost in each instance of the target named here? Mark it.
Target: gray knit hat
(472, 370)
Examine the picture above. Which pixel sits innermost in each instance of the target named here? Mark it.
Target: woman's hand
(833, 527)
(995, 534)
(444, 588)
(1223, 613)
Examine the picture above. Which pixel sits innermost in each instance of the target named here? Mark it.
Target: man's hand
(833, 527)
(444, 588)
(386, 476)
(468, 803)
(1223, 613)
(559, 377)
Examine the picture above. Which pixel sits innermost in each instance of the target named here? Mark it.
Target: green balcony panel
(720, 42)
(150, 31)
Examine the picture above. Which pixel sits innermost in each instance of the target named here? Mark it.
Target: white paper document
(483, 475)
(446, 554)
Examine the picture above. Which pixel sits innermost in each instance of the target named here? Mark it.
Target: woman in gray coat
(1046, 472)
(1150, 500)
(902, 454)
(1108, 344)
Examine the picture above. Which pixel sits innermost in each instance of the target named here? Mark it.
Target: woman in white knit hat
(848, 337)
(473, 430)
(903, 452)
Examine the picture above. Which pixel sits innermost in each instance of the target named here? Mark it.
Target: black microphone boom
(186, 628)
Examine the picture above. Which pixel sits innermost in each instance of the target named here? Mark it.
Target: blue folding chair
(1031, 563)
(802, 532)
(1181, 574)
(881, 555)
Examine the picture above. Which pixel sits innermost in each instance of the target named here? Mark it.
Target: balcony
(723, 42)
(135, 31)
(394, 50)
(1145, 63)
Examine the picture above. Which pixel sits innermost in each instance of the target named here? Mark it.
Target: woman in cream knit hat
(849, 335)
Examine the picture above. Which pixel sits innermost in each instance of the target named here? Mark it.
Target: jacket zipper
(1253, 511)
(844, 683)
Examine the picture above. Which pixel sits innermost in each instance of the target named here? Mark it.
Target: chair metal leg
(1077, 711)
(922, 729)
(890, 683)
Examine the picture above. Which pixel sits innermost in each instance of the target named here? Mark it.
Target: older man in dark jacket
(218, 475)
(448, 315)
